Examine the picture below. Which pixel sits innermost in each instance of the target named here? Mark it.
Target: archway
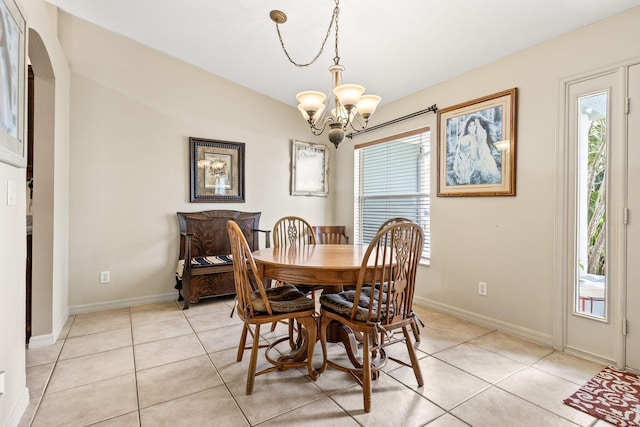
(42, 300)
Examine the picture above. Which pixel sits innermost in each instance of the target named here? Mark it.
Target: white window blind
(392, 179)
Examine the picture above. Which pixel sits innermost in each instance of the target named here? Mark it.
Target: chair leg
(243, 342)
(312, 327)
(366, 372)
(416, 332)
(251, 375)
(324, 323)
(412, 356)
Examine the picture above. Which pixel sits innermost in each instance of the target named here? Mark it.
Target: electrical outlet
(105, 276)
(483, 287)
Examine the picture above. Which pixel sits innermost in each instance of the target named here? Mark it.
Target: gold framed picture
(477, 147)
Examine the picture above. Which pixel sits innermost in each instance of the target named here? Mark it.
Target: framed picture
(477, 147)
(217, 171)
(12, 84)
(309, 169)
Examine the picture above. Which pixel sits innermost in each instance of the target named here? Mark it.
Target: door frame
(564, 224)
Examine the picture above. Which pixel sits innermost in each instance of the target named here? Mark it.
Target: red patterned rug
(612, 395)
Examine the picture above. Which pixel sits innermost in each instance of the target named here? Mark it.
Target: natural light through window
(392, 179)
(591, 288)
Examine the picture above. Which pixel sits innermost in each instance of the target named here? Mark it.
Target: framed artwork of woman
(476, 147)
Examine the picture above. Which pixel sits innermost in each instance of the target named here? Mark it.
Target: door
(594, 203)
(633, 223)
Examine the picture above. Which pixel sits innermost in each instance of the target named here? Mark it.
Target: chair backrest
(331, 234)
(245, 286)
(293, 231)
(392, 221)
(388, 274)
(208, 228)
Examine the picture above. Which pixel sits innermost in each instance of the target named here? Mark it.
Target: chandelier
(347, 106)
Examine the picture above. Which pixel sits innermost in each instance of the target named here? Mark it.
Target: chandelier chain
(334, 18)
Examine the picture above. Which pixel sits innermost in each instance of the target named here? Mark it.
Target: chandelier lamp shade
(346, 106)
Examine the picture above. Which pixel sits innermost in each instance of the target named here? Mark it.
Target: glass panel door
(591, 287)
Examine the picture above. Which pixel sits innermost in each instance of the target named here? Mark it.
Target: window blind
(392, 179)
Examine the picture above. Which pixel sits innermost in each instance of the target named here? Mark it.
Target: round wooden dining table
(331, 266)
(328, 265)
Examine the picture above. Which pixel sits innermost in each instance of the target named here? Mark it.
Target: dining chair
(392, 221)
(331, 234)
(257, 306)
(414, 327)
(380, 306)
(294, 231)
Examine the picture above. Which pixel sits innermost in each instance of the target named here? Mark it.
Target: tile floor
(156, 365)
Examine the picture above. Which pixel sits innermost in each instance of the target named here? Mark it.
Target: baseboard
(592, 357)
(50, 339)
(37, 341)
(18, 411)
(128, 302)
(489, 322)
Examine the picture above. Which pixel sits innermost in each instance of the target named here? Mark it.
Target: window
(392, 179)
(591, 290)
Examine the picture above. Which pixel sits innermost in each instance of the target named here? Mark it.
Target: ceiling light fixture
(350, 107)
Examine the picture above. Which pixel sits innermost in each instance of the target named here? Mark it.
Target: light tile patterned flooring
(156, 365)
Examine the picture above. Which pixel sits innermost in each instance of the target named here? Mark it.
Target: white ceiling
(393, 48)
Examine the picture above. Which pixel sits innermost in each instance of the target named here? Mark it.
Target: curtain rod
(390, 122)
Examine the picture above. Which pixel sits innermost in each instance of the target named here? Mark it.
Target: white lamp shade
(316, 116)
(348, 94)
(311, 100)
(367, 104)
(304, 113)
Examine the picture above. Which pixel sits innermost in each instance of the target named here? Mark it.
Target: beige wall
(507, 242)
(133, 111)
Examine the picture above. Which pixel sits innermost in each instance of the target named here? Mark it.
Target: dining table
(331, 266)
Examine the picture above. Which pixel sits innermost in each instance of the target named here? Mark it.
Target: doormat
(612, 395)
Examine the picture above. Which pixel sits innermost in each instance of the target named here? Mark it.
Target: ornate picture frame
(477, 147)
(309, 169)
(13, 74)
(216, 171)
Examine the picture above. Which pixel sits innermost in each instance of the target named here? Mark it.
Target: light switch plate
(2, 382)
(11, 193)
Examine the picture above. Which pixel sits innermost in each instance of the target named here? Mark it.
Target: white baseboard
(128, 302)
(489, 322)
(18, 411)
(592, 357)
(50, 339)
(38, 341)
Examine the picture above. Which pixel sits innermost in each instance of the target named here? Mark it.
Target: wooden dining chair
(293, 231)
(392, 221)
(414, 327)
(380, 307)
(331, 234)
(258, 306)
